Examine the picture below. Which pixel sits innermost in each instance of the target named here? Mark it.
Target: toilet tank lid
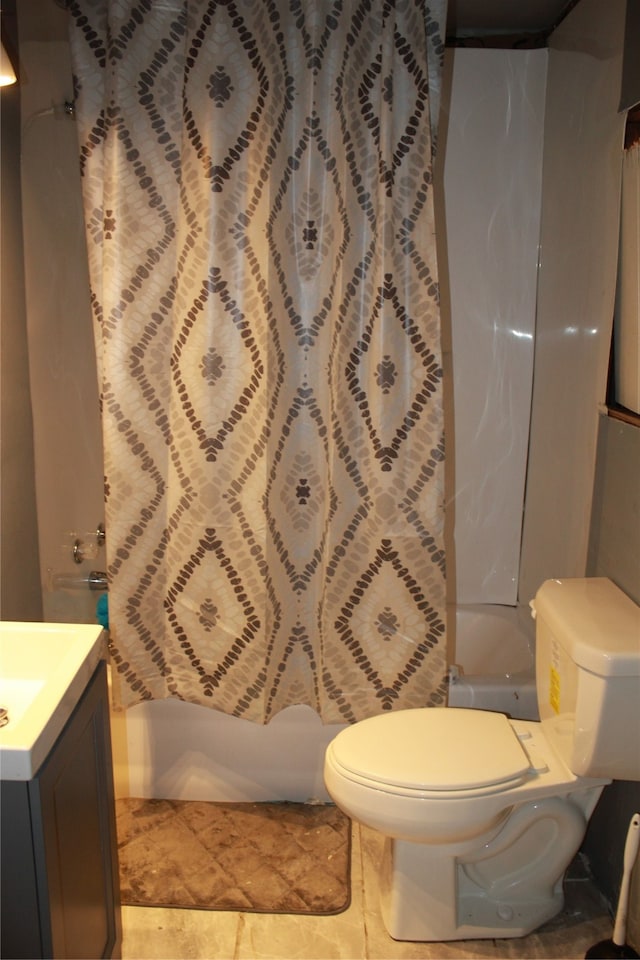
(596, 622)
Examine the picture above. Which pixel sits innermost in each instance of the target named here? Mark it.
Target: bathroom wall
(614, 539)
(67, 434)
(20, 595)
(614, 551)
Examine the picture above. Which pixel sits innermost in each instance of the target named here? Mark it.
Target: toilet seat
(465, 753)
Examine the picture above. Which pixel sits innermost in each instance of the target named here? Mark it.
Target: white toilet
(483, 814)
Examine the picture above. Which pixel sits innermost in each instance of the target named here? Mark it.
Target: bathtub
(493, 660)
(175, 750)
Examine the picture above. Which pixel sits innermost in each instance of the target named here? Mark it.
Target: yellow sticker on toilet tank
(554, 690)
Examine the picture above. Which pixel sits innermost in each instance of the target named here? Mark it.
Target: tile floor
(357, 933)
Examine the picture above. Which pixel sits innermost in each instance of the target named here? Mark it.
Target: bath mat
(253, 857)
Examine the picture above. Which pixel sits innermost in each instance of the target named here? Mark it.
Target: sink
(44, 669)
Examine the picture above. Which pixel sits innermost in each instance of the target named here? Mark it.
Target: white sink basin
(44, 668)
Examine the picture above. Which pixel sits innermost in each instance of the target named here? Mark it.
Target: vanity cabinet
(59, 862)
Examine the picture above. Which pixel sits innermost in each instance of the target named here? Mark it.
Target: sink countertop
(44, 669)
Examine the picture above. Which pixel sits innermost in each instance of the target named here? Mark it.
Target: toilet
(481, 813)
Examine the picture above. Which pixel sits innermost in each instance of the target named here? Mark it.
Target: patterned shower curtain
(257, 180)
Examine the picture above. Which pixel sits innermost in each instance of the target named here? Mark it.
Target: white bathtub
(177, 750)
(494, 660)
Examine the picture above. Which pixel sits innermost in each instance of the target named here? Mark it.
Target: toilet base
(415, 905)
(506, 886)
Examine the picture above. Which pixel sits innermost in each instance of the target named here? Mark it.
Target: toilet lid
(433, 749)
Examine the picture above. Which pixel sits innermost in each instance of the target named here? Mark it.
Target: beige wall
(20, 597)
(64, 391)
(614, 543)
(614, 551)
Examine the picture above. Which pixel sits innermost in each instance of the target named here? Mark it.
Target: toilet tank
(588, 675)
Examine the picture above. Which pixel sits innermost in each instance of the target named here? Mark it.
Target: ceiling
(485, 17)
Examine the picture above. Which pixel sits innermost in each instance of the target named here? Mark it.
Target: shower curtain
(257, 179)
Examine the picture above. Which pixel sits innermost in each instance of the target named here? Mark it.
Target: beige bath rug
(255, 857)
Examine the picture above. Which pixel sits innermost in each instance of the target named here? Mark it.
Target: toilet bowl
(441, 776)
(482, 813)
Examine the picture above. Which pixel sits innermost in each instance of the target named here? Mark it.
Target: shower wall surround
(492, 184)
(67, 431)
(582, 169)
